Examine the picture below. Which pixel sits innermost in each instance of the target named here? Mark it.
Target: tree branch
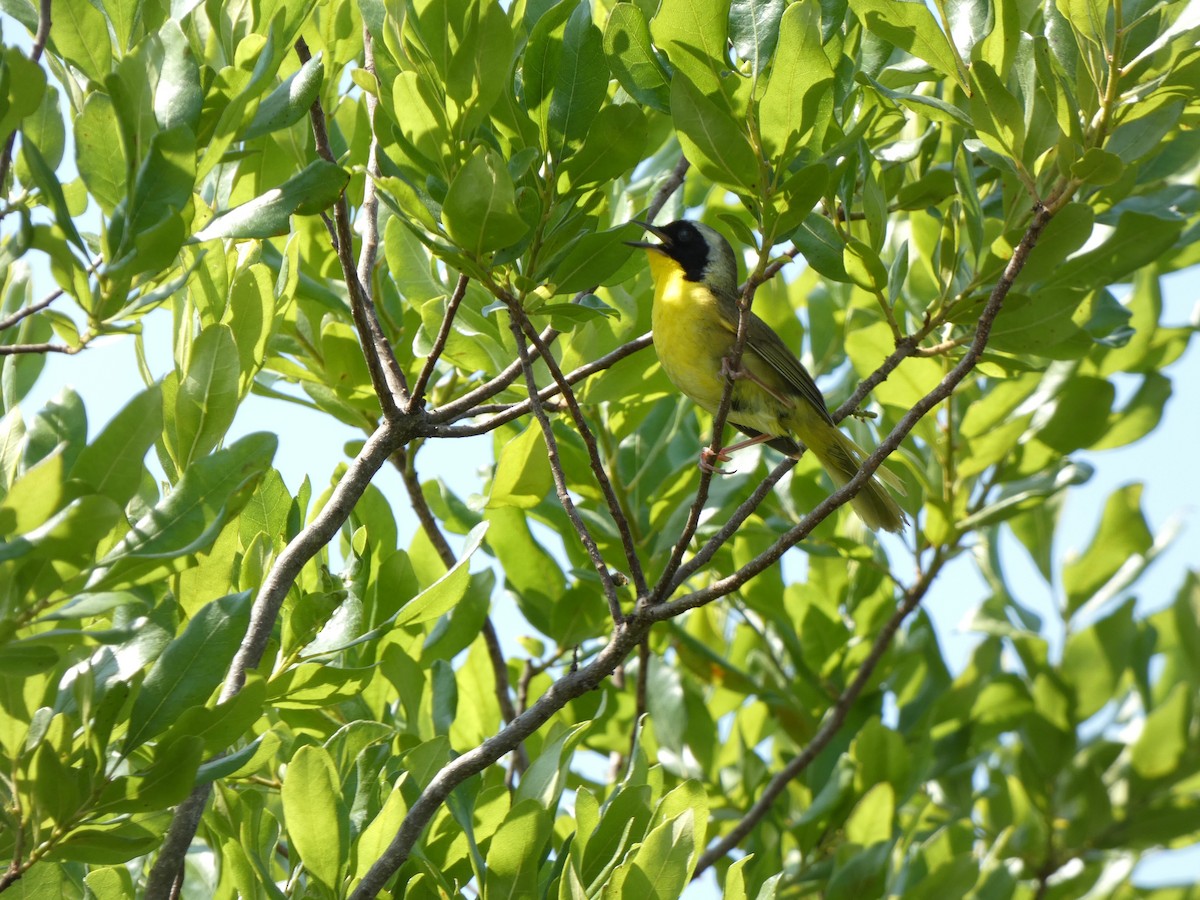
(23, 313)
(369, 211)
(168, 868)
(386, 375)
(516, 410)
(574, 684)
(560, 480)
(673, 183)
(829, 728)
(589, 440)
(439, 344)
(16, 349)
(461, 407)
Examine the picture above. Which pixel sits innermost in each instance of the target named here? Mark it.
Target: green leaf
(694, 35)
(422, 120)
(47, 182)
(864, 267)
(870, 821)
(314, 189)
(208, 395)
(591, 259)
(1037, 325)
(70, 535)
(515, 854)
(1138, 240)
(480, 212)
(933, 108)
(317, 685)
(1063, 235)
(1080, 414)
(624, 822)
(910, 26)
(1121, 536)
(113, 463)
(189, 518)
(523, 477)
(317, 822)
(35, 496)
(660, 867)
(547, 775)
(580, 85)
(167, 782)
(290, 101)
(614, 145)
(712, 139)
(631, 56)
(79, 33)
(1095, 658)
(45, 128)
(107, 846)
(190, 667)
(754, 30)
(1098, 166)
(25, 84)
(822, 247)
(99, 154)
(1161, 746)
(998, 116)
(799, 95)
(177, 94)
(1139, 416)
(861, 874)
(1090, 18)
(444, 593)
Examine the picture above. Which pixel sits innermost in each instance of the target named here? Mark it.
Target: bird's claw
(707, 456)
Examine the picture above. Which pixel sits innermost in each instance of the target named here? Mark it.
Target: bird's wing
(762, 340)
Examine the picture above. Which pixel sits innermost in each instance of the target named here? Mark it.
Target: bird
(775, 401)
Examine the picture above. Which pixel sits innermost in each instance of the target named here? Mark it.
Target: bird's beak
(654, 230)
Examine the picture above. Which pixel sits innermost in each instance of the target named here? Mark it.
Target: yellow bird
(775, 400)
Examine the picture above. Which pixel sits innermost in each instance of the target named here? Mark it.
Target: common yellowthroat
(775, 400)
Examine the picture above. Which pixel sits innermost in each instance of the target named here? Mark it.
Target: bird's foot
(708, 457)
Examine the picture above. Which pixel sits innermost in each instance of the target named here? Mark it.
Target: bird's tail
(841, 458)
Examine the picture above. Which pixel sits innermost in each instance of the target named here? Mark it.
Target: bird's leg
(708, 458)
(707, 455)
(728, 371)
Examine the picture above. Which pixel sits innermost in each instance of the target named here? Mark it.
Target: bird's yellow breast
(690, 336)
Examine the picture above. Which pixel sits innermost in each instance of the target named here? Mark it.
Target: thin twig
(731, 526)
(589, 440)
(368, 213)
(386, 376)
(35, 53)
(640, 696)
(829, 728)
(439, 344)
(560, 480)
(673, 183)
(29, 310)
(16, 349)
(462, 406)
(516, 410)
